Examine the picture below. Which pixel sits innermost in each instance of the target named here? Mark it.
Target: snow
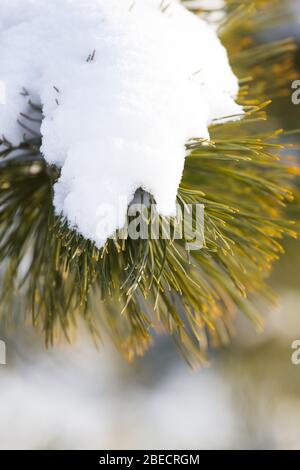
(158, 76)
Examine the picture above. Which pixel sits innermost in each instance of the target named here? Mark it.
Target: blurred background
(76, 397)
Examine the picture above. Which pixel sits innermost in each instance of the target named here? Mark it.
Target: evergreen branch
(132, 288)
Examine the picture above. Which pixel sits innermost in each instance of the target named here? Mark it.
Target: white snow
(158, 78)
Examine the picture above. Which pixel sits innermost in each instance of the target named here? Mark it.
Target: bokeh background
(78, 397)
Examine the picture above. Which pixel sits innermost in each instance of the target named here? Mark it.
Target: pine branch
(133, 288)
